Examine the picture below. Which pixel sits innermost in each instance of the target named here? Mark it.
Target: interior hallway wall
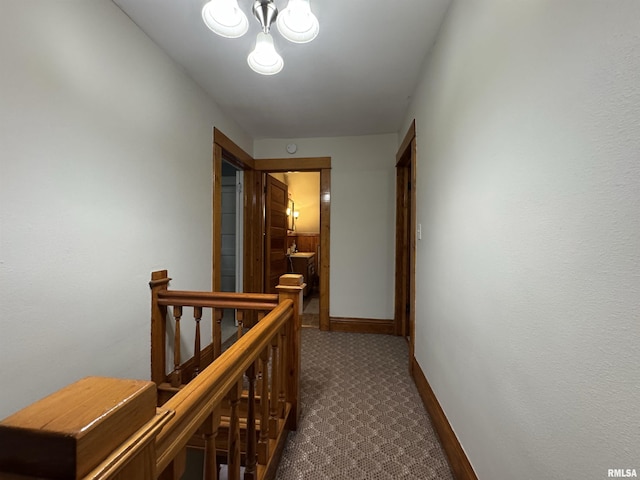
(362, 216)
(105, 176)
(528, 271)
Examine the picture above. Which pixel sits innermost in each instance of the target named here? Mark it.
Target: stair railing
(249, 308)
(266, 408)
(102, 428)
(197, 405)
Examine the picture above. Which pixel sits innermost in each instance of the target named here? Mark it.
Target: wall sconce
(296, 214)
(292, 214)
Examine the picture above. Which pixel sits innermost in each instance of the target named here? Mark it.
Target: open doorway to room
(254, 224)
(303, 248)
(231, 249)
(312, 243)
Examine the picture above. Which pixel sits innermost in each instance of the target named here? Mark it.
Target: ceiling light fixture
(225, 18)
(264, 59)
(296, 23)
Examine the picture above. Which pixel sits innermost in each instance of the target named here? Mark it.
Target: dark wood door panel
(275, 233)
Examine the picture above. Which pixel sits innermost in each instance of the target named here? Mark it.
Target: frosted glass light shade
(264, 59)
(297, 23)
(225, 18)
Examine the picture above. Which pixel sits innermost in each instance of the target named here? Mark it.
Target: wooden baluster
(197, 314)
(176, 378)
(233, 458)
(240, 318)
(261, 315)
(217, 332)
(275, 389)
(263, 441)
(250, 471)
(210, 430)
(282, 373)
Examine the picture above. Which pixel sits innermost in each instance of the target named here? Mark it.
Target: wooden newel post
(95, 428)
(290, 288)
(159, 281)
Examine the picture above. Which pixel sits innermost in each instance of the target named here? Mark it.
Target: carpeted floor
(362, 417)
(311, 311)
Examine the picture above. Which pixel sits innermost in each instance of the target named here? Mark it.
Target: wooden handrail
(196, 401)
(255, 305)
(245, 301)
(222, 295)
(204, 416)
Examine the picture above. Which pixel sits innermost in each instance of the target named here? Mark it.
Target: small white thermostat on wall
(292, 148)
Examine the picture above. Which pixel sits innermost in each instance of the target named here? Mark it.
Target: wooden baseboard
(460, 465)
(362, 325)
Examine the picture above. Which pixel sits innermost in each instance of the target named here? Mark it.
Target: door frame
(323, 166)
(254, 171)
(223, 146)
(405, 263)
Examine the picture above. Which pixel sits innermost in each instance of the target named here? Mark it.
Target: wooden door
(275, 236)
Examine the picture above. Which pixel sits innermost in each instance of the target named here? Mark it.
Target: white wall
(528, 271)
(105, 167)
(362, 213)
(304, 188)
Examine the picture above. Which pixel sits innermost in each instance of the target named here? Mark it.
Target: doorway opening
(253, 197)
(231, 249)
(303, 246)
(405, 292)
(319, 244)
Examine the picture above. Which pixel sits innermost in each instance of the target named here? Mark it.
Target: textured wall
(362, 213)
(528, 275)
(305, 190)
(105, 167)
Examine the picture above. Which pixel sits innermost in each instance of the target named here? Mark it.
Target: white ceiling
(355, 78)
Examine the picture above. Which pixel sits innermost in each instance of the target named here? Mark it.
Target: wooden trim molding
(460, 465)
(234, 153)
(404, 146)
(253, 240)
(362, 325)
(405, 258)
(216, 221)
(325, 248)
(298, 164)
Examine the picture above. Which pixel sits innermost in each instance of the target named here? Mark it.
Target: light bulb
(297, 23)
(225, 18)
(264, 59)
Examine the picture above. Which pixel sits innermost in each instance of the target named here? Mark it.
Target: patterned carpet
(362, 417)
(311, 311)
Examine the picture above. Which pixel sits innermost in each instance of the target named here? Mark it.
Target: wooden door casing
(405, 293)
